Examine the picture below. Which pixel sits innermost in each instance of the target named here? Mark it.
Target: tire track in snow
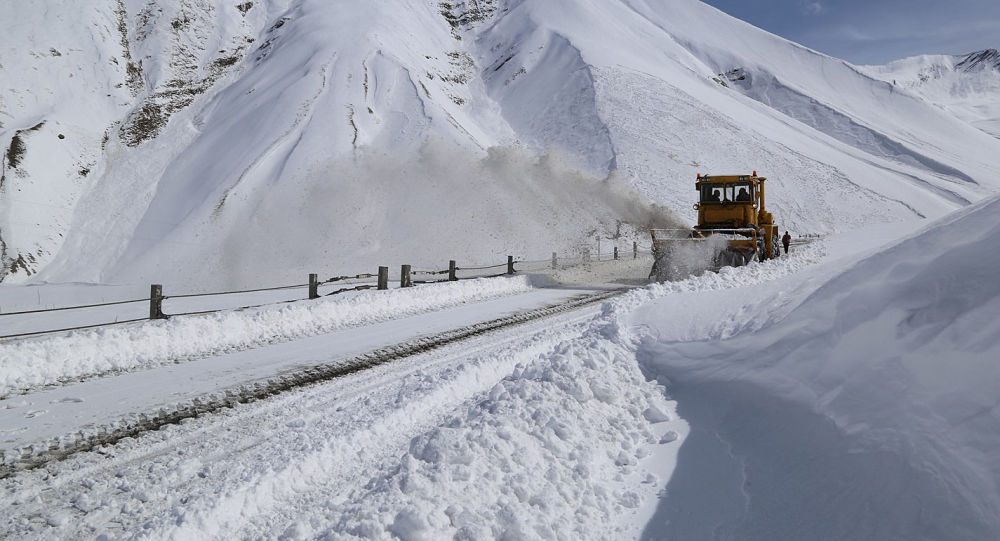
(252, 460)
(39, 455)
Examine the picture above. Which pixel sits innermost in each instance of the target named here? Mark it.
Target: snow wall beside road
(869, 412)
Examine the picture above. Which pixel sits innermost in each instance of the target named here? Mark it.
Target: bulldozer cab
(729, 201)
(728, 192)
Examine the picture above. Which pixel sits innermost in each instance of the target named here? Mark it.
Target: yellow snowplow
(733, 227)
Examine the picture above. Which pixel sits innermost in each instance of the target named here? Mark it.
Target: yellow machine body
(728, 205)
(736, 202)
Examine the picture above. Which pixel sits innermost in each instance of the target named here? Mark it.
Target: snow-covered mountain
(207, 141)
(966, 85)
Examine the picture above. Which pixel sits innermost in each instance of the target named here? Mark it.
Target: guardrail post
(383, 277)
(635, 250)
(452, 268)
(313, 286)
(156, 302)
(404, 277)
(510, 264)
(616, 253)
(554, 260)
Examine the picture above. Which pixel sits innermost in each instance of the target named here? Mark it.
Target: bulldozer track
(41, 454)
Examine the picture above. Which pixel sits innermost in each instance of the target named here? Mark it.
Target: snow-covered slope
(210, 142)
(855, 404)
(966, 85)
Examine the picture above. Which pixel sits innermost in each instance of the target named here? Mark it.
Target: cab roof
(729, 178)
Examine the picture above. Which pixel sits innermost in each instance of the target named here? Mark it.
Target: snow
(574, 416)
(446, 443)
(86, 405)
(805, 394)
(882, 375)
(318, 449)
(238, 146)
(965, 85)
(29, 363)
(846, 390)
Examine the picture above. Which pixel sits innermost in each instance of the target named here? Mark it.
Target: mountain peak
(988, 58)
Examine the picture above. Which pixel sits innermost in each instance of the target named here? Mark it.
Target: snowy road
(428, 444)
(100, 402)
(565, 426)
(259, 464)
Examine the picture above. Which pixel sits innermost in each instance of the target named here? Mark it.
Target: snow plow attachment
(679, 253)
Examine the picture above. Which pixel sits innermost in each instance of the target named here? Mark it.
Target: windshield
(730, 192)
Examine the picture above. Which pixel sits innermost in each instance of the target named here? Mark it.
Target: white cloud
(812, 8)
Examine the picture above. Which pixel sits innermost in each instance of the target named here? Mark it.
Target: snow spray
(381, 207)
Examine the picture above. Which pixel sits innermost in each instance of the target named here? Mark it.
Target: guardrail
(406, 279)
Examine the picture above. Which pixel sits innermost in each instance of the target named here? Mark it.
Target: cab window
(711, 193)
(741, 192)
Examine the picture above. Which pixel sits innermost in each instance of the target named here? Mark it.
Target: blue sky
(876, 31)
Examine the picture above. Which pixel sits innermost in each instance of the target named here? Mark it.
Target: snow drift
(868, 412)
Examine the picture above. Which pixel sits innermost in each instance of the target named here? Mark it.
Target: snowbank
(531, 432)
(31, 363)
(867, 413)
(544, 430)
(551, 451)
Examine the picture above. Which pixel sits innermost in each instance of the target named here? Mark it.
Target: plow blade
(680, 253)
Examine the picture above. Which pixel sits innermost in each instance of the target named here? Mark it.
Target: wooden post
(452, 268)
(635, 250)
(616, 253)
(404, 277)
(554, 260)
(510, 264)
(313, 286)
(156, 302)
(383, 277)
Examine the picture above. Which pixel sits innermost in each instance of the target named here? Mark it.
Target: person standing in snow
(786, 240)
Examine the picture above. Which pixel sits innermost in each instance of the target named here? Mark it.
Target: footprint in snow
(33, 414)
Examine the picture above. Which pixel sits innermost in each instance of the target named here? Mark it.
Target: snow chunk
(654, 414)
(410, 525)
(668, 437)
